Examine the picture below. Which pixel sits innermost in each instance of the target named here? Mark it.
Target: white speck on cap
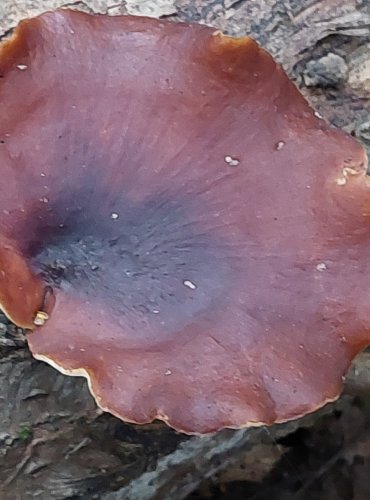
(189, 284)
(233, 162)
(40, 318)
(322, 266)
(22, 67)
(114, 216)
(347, 171)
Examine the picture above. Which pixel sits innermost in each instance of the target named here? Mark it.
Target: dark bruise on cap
(176, 223)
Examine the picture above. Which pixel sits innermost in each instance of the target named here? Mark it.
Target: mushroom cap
(181, 226)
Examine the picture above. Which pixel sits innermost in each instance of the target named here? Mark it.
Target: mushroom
(176, 223)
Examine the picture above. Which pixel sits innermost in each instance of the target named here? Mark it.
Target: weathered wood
(54, 443)
(286, 28)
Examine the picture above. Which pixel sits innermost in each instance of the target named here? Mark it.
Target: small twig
(27, 456)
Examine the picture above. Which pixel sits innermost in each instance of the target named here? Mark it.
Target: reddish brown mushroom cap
(206, 235)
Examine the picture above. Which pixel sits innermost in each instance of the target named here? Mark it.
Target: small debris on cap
(22, 67)
(233, 162)
(189, 284)
(321, 267)
(40, 318)
(350, 171)
(341, 181)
